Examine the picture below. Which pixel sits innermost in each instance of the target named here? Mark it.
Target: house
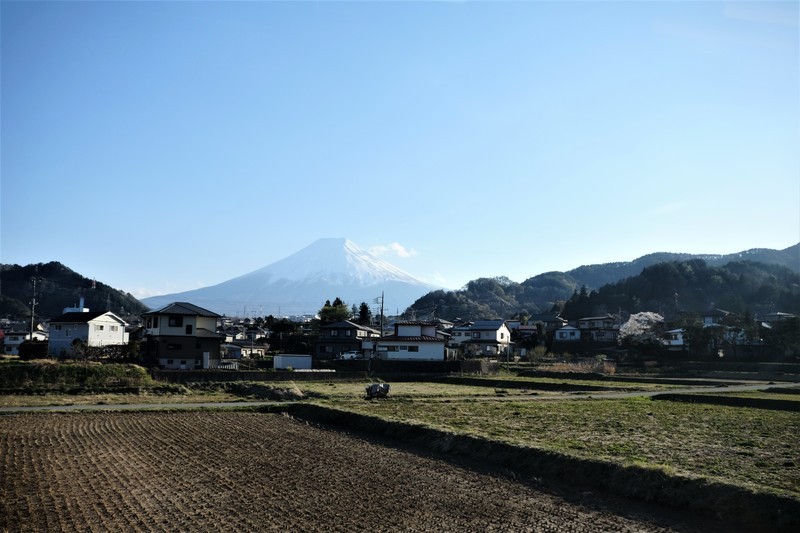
(550, 321)
(599, 328)
(771, 318)
(12, 340)
(715, 317)
(182, 336)
(83, 328)
(344, 336)
(412, 341)
(674, 341)
(482, 338)
(460, 334)
(567, 334)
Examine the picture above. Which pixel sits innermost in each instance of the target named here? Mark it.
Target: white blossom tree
(642, 332)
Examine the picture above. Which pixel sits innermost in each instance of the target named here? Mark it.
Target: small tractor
(377, 390)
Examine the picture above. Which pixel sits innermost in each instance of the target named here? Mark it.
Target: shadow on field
(714, 506)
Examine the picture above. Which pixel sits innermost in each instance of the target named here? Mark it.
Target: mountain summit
(300, 284)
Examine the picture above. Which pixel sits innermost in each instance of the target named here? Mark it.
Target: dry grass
(752, 448)
(594, 366)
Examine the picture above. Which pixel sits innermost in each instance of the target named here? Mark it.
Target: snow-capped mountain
(302, 282)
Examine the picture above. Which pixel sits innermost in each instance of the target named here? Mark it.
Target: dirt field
(237, 471)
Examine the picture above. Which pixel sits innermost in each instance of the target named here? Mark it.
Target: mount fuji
(301, 283)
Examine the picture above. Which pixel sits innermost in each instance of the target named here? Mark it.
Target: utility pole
(34, 279)
(381, 313)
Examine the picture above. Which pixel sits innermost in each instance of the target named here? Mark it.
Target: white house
(93, 329)
(567, 334)
(482, 338)
(673, 340)
(412, 341)
(13, 339)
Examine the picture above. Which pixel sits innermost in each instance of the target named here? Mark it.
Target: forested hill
(595, 276)
(58, 287)
(694, 286)
(758, 286)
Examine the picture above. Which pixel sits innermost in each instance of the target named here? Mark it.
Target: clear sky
(165, 146)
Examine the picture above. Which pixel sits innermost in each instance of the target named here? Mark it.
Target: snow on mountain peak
(337, 261)
(304, 280)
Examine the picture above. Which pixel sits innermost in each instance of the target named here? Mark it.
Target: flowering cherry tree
(642, 332)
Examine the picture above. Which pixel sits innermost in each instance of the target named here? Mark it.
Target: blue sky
(164, 146)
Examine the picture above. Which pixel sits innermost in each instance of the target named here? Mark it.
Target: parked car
(351, 355)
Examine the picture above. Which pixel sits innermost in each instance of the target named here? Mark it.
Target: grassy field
(753, 448)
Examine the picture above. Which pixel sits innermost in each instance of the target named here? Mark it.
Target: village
(184, 336)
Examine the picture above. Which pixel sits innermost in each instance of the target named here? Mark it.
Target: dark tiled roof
(415, 323)
(183, 308)
(77, 317)
(400, 338)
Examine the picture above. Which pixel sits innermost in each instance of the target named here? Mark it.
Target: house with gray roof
(182, 336)
(344, 336)
(72, 331)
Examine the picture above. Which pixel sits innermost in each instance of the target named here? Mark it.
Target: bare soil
(242, 471)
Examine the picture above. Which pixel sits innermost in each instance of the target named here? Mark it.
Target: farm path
(509, 396)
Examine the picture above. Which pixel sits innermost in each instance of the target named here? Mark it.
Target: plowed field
(236, 471)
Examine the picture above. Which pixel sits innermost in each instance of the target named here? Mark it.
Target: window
(334, 333)
(58, 327)
(188, 329)
(348, 333)
(68, 333)
(98, 327)
(169, 361)
(413, 348)
(391, 348)
(502, 336)
(113, 328)
(175, 321)
(476, 335)
(155, 321)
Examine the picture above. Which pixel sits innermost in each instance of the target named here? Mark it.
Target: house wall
(13, 340)
(105, 331)
(403, 351)
(178, 363)
(459, 335)
(63, 335)
(567, 334)
(176, 325)
(186, 347)
(502, 335)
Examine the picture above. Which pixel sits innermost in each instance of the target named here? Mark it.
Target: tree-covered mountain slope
(58, 287)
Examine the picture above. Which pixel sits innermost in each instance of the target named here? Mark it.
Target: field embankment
(626, 447)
